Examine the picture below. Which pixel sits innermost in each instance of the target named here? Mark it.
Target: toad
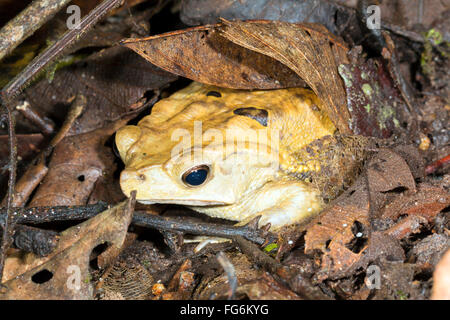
(232, 154)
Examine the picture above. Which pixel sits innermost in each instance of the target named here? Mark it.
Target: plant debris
(68, 231)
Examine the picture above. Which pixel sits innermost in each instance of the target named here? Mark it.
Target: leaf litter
(393, 216)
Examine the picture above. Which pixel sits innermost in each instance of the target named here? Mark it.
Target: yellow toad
(227, 153)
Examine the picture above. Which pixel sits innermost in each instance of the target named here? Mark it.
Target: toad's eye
(195, 176)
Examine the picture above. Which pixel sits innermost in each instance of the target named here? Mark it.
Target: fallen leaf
(125, 280)
(65, 273)
(406, 227)
(203, 55)
(77, 164)
(386, 173)
(343, 232)
(431, 249)
(426, 203)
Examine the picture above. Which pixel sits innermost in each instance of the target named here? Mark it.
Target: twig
(40, 215)
(257, 256)
(411, 35)
(230, 272)
(46, 126)
(75, 111)
(257, 236)
(27, 22)
(27, 183)
(8, 225)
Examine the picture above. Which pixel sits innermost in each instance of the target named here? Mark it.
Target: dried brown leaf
(343, 232)
(426, 203)
(386, 173)
(203, 55)
(68, 265)
(126, 280)
(77, 164)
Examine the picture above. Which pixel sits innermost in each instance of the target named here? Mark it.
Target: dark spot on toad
(259, 115)
(214, 94)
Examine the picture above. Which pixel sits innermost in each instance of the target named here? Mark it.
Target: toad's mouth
(184, 202)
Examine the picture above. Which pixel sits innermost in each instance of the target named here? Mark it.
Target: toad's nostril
(141, 177)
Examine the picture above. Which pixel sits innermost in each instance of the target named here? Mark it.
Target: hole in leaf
(98, 250)
(81, 178)
(327, 244)
(400, 189)
(42, 276)
(359, 241)
(424, 275)
(331, 44)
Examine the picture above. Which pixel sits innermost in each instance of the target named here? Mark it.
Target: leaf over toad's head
(255, 54)
(308, 49)
(203, 55)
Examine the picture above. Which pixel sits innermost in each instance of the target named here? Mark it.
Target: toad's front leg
(279, 203)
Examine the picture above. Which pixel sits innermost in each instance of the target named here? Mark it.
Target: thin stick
(8, 226)
(40, 215)
(27, 22)
(75, 111)
(200, 228)
(46, 126)
(257, 256)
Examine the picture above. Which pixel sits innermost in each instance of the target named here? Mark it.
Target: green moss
(434, 36)
(401, 295)
(364, 76)
(346, 75)
(64, 62)
(88, 279)
(384, 114)
(271, 247)
(367, 89)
